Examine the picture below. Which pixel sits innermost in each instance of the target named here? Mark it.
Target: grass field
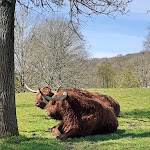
(133, 132)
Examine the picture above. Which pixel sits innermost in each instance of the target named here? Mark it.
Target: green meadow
(133, 131)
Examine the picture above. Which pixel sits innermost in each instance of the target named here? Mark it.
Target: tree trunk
(8, 121)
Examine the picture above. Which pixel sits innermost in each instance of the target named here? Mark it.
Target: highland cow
(80, 115)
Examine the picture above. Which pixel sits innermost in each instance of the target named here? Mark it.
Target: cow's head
(53, 108)
(44, 95)
(40, 101)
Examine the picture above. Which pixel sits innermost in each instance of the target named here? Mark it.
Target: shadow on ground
(39, 143)
(24, 143)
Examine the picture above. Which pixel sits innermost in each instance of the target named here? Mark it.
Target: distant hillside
(139, 63)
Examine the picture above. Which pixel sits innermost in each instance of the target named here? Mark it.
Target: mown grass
(133, 132)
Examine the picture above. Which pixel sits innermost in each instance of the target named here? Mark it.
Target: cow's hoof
(50, 130)
(58, 137)
(61, 137)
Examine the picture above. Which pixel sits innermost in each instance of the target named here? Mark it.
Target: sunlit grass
(133, 132)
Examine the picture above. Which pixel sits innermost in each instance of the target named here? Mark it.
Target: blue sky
(109, 37)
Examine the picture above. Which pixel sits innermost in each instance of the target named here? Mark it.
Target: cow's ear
(53, 102)
(54, 91)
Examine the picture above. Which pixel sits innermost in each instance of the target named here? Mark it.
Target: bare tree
(82, 7)
(146, 43)
(143, 68)
(60, 58)
(22, 28)
(8, 123)
(143, 62)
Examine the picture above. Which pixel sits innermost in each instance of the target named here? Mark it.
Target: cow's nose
(36, 103)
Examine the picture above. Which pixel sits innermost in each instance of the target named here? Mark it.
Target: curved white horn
(33, 91)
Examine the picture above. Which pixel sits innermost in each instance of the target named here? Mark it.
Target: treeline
(132, 70)
(111, 78)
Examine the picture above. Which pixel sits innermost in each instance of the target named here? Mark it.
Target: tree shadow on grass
(40, 143)
(35, 143)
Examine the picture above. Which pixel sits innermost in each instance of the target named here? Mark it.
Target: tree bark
(8, 120)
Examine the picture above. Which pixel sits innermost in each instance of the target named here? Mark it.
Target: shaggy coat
(39, 102)
(100, 97)
(81, 116)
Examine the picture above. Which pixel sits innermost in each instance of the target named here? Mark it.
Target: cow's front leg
(50, 129)
(71, 133)
(57, 130)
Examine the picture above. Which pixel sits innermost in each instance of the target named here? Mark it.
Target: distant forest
(131, 70)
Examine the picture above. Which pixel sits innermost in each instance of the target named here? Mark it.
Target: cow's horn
(34, 91)
(46, 101)
(48, 98)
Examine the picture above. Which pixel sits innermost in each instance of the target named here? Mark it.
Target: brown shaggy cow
(39, 102)
(81, 116)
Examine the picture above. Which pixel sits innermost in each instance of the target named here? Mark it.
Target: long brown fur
(100, 97)
(81, 115)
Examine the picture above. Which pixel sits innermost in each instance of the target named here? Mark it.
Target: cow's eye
(53, 102)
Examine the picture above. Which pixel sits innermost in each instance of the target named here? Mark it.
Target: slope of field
(133, 132)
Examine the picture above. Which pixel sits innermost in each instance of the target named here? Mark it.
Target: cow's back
(99, 98)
